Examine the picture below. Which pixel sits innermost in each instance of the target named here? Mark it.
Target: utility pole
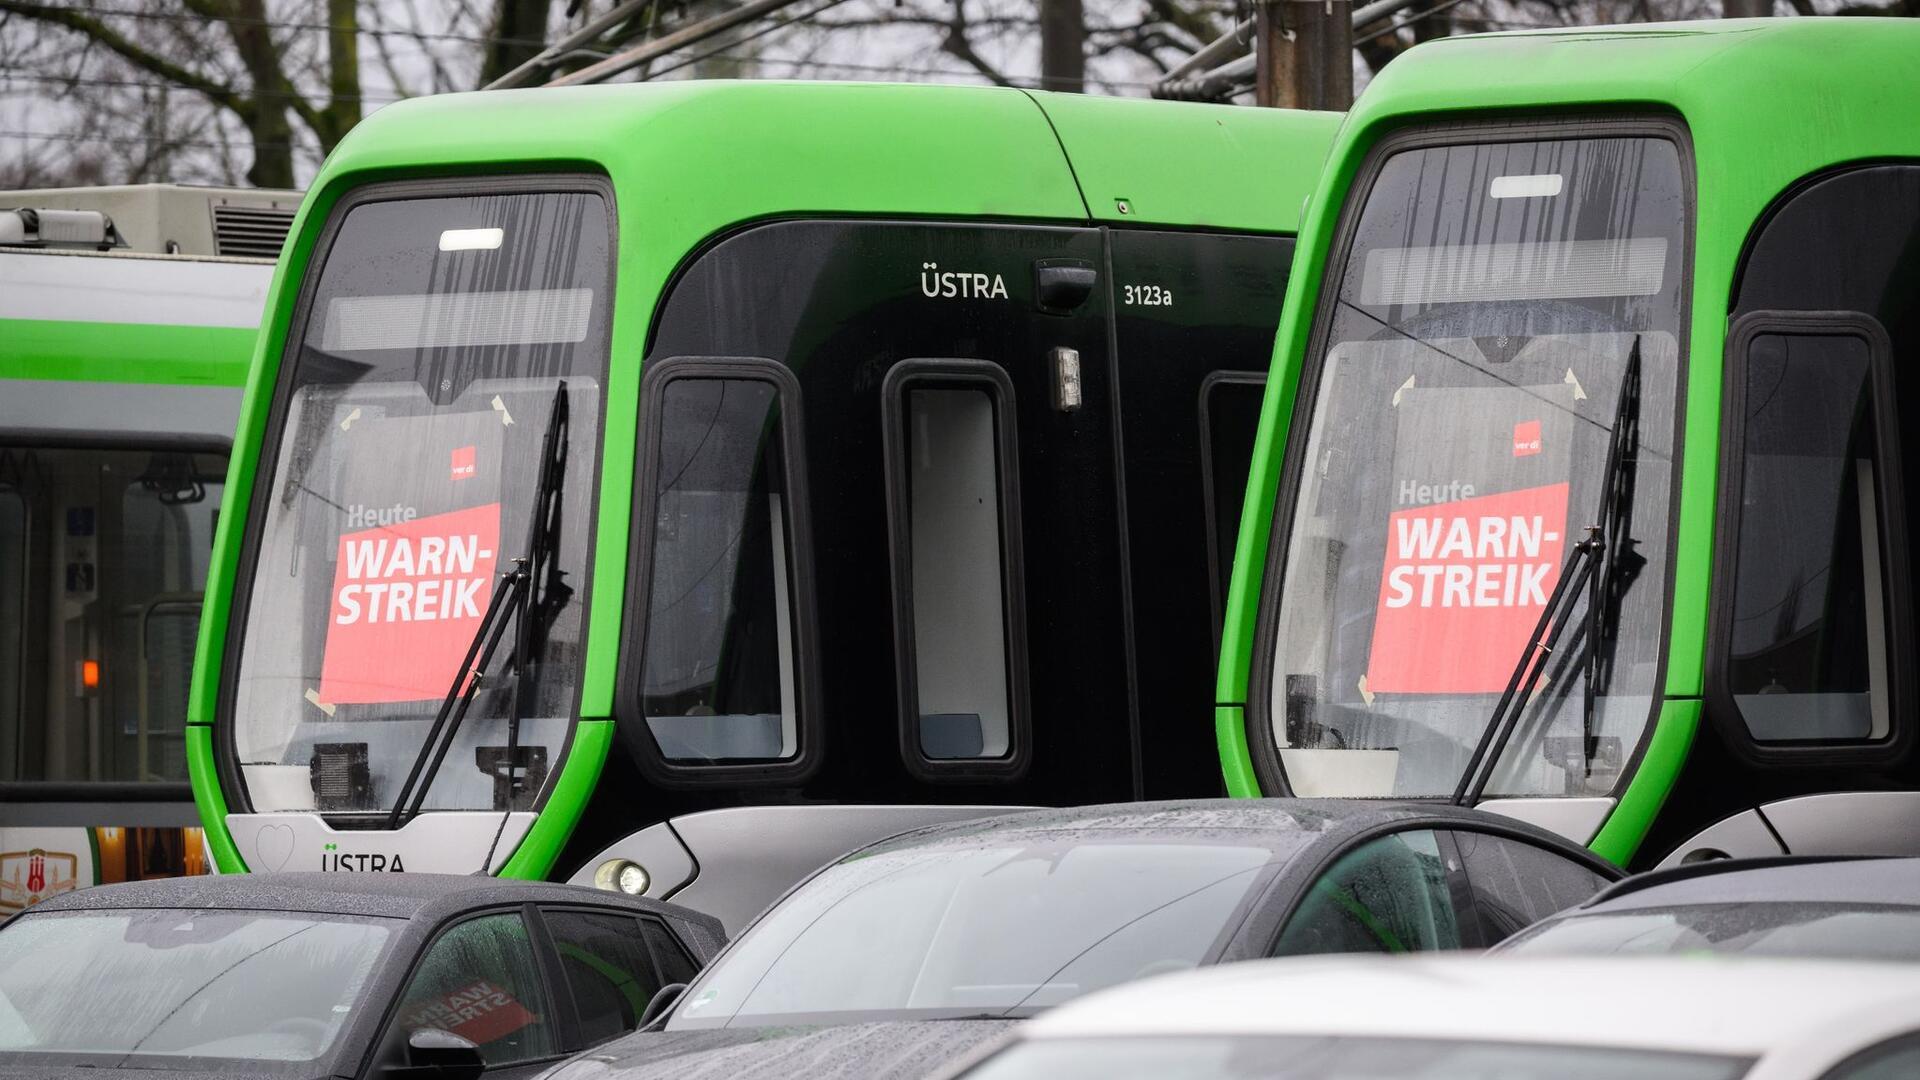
(1304, 53)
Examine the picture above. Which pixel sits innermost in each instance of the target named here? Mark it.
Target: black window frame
(1290, 888)
(133, 791)
(566, 179)
(1484, 929)
(383, 1042)
(1890, 497)
(628, 707)
(575, 1031)
(1217, 586)
(1448, 130)
(962, 374)
(1295, 888)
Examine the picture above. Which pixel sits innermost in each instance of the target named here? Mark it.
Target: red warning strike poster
(407, 600)
(1475, 535)
(482, 1012)
(1463, 586)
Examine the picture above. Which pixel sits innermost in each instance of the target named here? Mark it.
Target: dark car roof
(1280, 822)
(399, 896)
(1834, 881)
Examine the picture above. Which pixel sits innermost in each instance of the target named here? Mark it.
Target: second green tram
(615, 454)
(1579, 486)
(127, 320)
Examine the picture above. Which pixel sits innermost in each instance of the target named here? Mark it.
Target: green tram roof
(1767, 101)
(690, 158)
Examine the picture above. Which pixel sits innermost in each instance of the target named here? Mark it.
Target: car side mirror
(663, 1001)
(443, 1055)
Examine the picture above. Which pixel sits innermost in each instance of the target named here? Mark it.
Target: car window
(1896, 1059)
(675, 965)
(1515, 883)
(607, 968)
(1003, 927)
(479, 981)
(1389, 895)
(1828, 931)
(268, 988)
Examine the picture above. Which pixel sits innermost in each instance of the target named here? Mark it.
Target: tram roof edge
(732, 151)
(1760, 80)
(1189, 164)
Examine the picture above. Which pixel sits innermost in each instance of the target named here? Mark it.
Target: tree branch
(98, 31)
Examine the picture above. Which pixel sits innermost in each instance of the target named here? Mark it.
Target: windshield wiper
(1602, 563)
(531, 595)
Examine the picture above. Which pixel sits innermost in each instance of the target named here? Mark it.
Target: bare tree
(226, 53)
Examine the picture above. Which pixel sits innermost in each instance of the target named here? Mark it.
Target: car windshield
(990, 929)
(1479, 340)
(1818, 931)
(104, 987)
(442, 339)
(1289, 1057)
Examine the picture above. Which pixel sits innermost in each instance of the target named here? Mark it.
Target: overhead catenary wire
(271, 24)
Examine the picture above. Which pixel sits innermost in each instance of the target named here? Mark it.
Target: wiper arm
(522, 590)
(1584, 568)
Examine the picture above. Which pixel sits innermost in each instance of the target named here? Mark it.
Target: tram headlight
(622, 875)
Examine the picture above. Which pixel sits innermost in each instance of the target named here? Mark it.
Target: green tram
(624, 454)
(127, 319)
(1578, 491)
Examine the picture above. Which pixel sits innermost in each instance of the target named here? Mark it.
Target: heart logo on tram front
(273, 846)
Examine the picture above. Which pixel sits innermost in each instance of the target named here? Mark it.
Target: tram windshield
(406, 452)
(1469, 381)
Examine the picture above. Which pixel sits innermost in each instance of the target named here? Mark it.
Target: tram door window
(956, 547)
(1813, 594)
(1806, 660)
(719, 678)
(13, 590)
(107, 553)
(1229, 419)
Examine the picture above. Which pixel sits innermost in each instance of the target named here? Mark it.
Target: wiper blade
(1584, 568)
(521, 590)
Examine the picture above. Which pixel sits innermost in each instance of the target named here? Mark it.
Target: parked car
(333, 975)
(1484, 1018)
(906, 953)
(1832, 908)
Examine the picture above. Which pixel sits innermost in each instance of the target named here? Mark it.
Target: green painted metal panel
(1627, 826)
(1229, 726)
(540, 849)
(1184, 164)
(124, 353)
(211, 803)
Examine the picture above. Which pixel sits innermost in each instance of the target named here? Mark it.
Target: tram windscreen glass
(1470, 380)
(438, 336)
